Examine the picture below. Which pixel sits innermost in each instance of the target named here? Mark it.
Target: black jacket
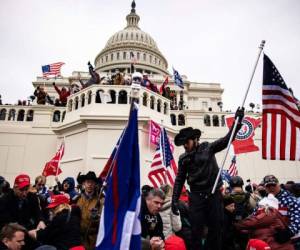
(63, 232)
(152, 225)
(27, 212)
(200, 167)
(3, 246)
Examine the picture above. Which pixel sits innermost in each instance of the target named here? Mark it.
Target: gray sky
(207, 40)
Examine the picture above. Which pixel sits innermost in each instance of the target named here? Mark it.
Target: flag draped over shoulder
(244, 142)
(281, 117)
(52, 167)
(52, 69)
(120, 226)
(163, 167)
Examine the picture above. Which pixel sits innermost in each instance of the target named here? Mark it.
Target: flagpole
(134, 98)
(261, 47)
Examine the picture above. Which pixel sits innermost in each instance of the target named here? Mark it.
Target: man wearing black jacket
(199, 167)
(152, 225)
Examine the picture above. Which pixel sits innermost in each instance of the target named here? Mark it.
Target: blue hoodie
(71, 190)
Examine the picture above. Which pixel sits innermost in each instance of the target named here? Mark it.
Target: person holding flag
(199, 166)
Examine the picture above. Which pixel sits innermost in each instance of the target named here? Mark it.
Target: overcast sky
(207, 40)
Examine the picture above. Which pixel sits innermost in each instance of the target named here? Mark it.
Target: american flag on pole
(163, 167)
(232, 171)
(52, 69)
(281, 117)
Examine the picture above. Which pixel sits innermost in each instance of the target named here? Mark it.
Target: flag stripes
(163, 167)
(232, 171)
(281, 117)
(52, 69)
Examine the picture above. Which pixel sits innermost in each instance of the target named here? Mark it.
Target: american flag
(52, 69)
(163, 167)
(281, 117)
(232, 171)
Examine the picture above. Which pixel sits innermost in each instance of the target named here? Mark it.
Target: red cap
(255, 244)
(57, 200)
(22, 181)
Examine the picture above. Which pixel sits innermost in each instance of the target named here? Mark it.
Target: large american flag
(52, 69)
(281, 117)
(163, 167)
(232, 171)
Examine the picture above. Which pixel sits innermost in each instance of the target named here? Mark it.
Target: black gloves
(283, 235)
(240, 112)
(174, 207)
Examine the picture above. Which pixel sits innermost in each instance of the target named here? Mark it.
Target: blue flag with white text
(177, 79)
(120, 226)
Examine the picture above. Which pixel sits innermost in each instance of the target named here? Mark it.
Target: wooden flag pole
(261, 47)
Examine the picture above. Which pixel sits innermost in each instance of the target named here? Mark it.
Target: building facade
(91, 126)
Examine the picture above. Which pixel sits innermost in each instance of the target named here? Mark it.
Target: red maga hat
(57, 200)
(21, 181)
(255, 244)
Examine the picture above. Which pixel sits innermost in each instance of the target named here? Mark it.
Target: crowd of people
(66, 215)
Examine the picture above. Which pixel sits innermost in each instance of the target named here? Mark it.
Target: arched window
(142, 38)
(111, 57)
(122, 99)
(138, 55)
(100, 96)
(121, 36)
(29, 117)
(126, 36)
(70, 105)
(181, 120)
(173, 119)
(145, 97)
(89, 97)
(207, 121)
(165, 108)
(106, 58)
(152, 100)
(21, 115)
(137, 36)
(63, 116)
(223, 120)
(56, 116)
(158, 105)
(131, 36)
(12, 115)
(112, 96)
(118, 55)
(216, 121)
(2, 114)
(124, 55)
(82, 100)
(76, 103)
(144, 57)
(150, 59)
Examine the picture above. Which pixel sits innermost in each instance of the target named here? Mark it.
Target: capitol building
(30, 135)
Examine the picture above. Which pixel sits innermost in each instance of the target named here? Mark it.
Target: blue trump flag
(120, 226)
(177, 79)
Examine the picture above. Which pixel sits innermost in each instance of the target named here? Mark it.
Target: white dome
(131, 42)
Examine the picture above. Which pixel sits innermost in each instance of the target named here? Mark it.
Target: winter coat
(63, 232)
(263, 226)
(152, 225)
(26, 212)
(63, 95)
(200, 167)
(3, 246)
(171, 222)
(90, 217)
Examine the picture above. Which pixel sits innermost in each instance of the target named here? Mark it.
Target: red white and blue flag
(232, 171)
(120, 226)
(163, 168)
(52, 69)
(281, 117)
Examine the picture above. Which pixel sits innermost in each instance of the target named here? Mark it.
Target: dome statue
(131, 45)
